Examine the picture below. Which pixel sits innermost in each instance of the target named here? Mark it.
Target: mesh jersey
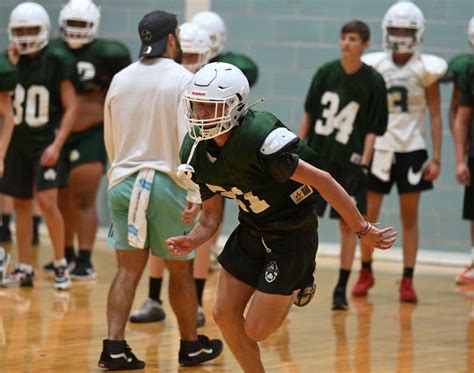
(465, 80)
(244, 63)
(8, 74)
(98, 62)
(343, 109)
(37, 97)
(239, 172)
(406, 98)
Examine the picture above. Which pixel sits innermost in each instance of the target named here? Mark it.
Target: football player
(461, 73)
(45, 104)
(400, 155)
(268, 261)
(345, 109)
(97, 61)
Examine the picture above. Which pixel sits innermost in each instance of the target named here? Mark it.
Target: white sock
(60, 263)
(28, 268)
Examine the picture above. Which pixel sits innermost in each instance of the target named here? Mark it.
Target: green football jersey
(8, 74)
(239, 172)
(456, 65)
(465, 80)
(37, 96)
(343, 109)
(98, 62)
(244, 63)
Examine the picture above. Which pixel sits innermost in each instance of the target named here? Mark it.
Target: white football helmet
(83, 11)
(215, 26)
(224, 91)
(29, 15)
(470, 32)
(405, 15)
(194, 40)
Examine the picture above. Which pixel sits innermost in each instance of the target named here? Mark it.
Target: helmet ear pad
(236, 111)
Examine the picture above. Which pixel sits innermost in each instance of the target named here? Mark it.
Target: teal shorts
(166, 204)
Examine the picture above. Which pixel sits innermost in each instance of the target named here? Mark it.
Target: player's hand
(1, 168)
(462, 174)
(190, 212)
(180, 245)
(380, 238)
(50, 156)
(431, 171)
(13, 54)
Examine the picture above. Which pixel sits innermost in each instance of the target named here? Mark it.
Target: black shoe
(21, 277)
(83, 271)
(36, 239)
(339, 301)
(199, 351)
(49, 267)
(305, 295)
(117, 355)
(5, 234)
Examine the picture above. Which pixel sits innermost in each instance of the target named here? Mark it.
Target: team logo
(271, 272)
(211, 158)
(49, 174)
(146, 35)
(74, 155)
(147, 50)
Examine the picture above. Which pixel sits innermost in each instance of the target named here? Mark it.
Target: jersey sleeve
(466, 85)
(378, 108)
(8, 74)
(434, 68)
(67, 69)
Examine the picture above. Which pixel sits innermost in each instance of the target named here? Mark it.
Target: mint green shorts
(166, 204)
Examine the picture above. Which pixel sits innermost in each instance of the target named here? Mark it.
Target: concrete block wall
(289, 40)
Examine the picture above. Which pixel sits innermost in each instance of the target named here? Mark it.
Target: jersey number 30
(31, 106)
(342, 121)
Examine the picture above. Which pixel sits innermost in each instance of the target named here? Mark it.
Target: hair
(357, 27)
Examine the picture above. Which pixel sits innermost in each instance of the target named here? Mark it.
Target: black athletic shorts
(273, 265)
(468, 208)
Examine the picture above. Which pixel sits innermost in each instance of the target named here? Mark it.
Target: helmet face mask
(29, 28)
(215, 100)
(79, 23)
(403, 26)
(196, 46)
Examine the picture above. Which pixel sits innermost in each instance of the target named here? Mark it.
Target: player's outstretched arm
(337, 197)
(207, 225)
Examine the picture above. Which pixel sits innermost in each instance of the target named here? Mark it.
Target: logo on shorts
(414, 178)
(271, 272)
(74, 155)
(50, 174)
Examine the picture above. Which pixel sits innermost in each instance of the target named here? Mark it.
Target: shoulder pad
(277, 140)
(113, 48)
(374, 58)
(434, 68)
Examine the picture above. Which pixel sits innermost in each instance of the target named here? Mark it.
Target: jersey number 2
(35, 112)
(342, 121)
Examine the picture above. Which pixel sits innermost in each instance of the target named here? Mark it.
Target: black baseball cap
(154, 29)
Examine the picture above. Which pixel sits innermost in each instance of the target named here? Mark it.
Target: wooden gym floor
(43, 330)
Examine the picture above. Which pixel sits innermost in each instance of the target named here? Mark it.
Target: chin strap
(186, 169)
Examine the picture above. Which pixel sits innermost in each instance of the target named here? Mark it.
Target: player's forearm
(67, 122)
(368, 149)
(436, 138)
(332, 192)
(460, 132)
(206, 227)
(91, 111)
(6, 135)
(453, 108)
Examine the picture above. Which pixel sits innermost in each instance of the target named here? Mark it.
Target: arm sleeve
(8, 74)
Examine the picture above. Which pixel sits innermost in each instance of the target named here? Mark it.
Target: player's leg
(152, 308)
(201, 271)
(23, 273)
(231, 299)
(36, 223)
(7, 211)
(84, 182)
(66, 206)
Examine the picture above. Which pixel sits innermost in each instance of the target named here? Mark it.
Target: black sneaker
(83, 271)
(49, 267)
(305, 295)
(117, 355)
(197, 352)
(5, 234)
(339, 301)
(22, 277)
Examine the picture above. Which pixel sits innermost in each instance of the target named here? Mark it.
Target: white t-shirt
(144, 121)
(406, 87)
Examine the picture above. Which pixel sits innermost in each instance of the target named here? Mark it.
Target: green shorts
(166, 204)
(273, 265)
(86, 147)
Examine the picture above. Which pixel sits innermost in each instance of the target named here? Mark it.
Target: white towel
(382, 164)
(137, 223)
